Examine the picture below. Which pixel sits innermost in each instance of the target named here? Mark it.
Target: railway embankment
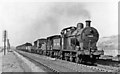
(13, 62)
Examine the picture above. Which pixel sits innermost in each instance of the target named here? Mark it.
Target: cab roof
(54, 36)
(69, 28)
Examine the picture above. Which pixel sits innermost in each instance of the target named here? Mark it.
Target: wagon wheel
(77, 59)
(80, 60)
(94, 60)
(71, 58)
(61, 56)
(66, 58)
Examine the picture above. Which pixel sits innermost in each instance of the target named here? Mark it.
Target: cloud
(71, 9)
(36, 20)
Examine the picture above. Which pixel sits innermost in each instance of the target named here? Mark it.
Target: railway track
(49, 69)
(98, 68)
(53, 67)
(109, 62)
(65, 66)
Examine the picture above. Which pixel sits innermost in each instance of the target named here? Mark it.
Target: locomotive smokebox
(88, 23)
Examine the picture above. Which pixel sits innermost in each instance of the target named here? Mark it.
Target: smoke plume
(60, 13)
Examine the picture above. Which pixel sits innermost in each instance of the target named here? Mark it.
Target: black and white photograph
(59, 36)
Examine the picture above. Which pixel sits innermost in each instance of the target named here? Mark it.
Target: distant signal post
(8, 45)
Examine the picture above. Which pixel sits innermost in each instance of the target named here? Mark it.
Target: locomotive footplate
(87, 52)
(98, 52)
(83, 52)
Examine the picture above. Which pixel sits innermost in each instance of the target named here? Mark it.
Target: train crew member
(77, 33)
(80, 27)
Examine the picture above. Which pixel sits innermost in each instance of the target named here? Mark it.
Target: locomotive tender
(74, 44)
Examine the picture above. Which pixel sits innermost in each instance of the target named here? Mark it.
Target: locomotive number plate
(90, 35)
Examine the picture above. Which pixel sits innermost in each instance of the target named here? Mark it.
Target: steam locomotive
(76, 44)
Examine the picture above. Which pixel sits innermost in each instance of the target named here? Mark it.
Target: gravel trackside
(11, 63)
(31, 65)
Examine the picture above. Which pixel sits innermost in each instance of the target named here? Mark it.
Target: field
(110, 45)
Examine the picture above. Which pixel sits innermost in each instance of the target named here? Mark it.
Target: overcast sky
(28, 21)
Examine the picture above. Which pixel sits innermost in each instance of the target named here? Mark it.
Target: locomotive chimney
(88, 23)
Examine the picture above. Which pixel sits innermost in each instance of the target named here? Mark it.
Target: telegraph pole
(5, 37)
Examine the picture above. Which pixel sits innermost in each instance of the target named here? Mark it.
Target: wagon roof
(54, 36)
(42, 39)
(28, 44)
